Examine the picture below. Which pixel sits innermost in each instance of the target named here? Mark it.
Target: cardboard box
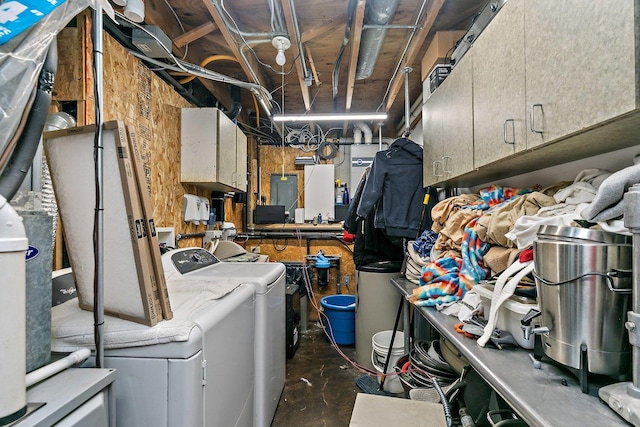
(440, 50)
(135, 212)
(152, 236)
(128, 278)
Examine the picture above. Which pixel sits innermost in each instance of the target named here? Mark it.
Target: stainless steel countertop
(539, 396)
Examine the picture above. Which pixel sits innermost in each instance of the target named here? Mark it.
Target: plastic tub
(340, 323)
(509, 315)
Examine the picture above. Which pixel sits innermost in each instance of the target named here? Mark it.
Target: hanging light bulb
(281, 43)
(280, 58)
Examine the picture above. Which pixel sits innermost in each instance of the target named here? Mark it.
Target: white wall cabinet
(213, 151)
(499, 113)
(448, 126)
(580, 65)
(552, 82)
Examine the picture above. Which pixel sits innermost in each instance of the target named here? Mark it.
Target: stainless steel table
(539, 396)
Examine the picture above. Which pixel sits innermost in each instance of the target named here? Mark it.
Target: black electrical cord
(22, 156)
(332, 153)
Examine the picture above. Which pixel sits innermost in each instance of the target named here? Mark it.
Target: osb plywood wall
(135, 95)
(295, 250)
(276, 160)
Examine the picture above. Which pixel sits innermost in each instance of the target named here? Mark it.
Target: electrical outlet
(347, 281)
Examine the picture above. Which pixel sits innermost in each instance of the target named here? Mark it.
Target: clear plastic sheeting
(21, 60)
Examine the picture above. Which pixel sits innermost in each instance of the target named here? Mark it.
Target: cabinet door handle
(445, 163)
(513, 131)
(532, 117)
(434, 166)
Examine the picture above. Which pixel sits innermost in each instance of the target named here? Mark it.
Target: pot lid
(565, 233)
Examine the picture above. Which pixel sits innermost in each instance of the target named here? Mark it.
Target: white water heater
(13, 245)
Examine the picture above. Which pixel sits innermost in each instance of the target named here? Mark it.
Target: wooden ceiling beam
(289, 19)
(356, 34)
(160, 15)
(414, 48)
(316, 78)
(312, 33)
(194, 34)
(249, 64)
(217, 39)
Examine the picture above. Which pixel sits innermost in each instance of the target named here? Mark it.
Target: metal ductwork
(378, 13)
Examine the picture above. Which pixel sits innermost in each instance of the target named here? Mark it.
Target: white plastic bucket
(380, 343)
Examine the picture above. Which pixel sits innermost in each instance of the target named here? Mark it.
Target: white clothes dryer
(269, 282)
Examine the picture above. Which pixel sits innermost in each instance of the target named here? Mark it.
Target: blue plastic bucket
(341, 318)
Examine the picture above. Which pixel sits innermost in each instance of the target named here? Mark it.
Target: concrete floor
(320, 387)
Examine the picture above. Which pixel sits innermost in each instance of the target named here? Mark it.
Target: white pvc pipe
(357, 135)
(366, 131)
(51, 369)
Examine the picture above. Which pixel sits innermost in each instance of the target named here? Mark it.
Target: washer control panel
(189, 260)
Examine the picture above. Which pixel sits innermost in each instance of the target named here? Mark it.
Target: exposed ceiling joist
(194, 34)
(316, 78)
(356, 34)
(412, 51)
(311, 34)
(289, 19)
(248, 63)
(160, 15)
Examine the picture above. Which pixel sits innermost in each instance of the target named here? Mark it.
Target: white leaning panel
(71, 163)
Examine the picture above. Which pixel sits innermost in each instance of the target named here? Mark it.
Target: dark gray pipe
(21, 158)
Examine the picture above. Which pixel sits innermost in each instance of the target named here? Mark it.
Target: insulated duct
(377, 13)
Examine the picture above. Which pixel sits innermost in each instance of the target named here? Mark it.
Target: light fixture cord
(282, 103)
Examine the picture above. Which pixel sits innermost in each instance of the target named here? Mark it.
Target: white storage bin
(509, 316)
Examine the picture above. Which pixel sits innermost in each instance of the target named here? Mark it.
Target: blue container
(341, 318)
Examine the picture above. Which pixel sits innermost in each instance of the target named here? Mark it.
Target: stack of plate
(422, 365)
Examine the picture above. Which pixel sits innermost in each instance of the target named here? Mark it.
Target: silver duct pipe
(378, 13)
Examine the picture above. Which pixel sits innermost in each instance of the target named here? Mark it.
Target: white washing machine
(269, 281)
(206, 380)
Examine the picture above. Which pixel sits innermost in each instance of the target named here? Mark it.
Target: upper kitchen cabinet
(432, 109)
(448, 126)
(499, 113)
(580, 65)
(551, 82)
(213, 151)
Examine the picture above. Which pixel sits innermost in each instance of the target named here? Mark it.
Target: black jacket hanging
(394, 184)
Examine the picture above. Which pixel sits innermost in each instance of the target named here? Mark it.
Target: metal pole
(98, 314)
(407, 107)
(624, 398)
(632, 222)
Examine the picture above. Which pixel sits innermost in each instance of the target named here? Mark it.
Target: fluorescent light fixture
(328, 117)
